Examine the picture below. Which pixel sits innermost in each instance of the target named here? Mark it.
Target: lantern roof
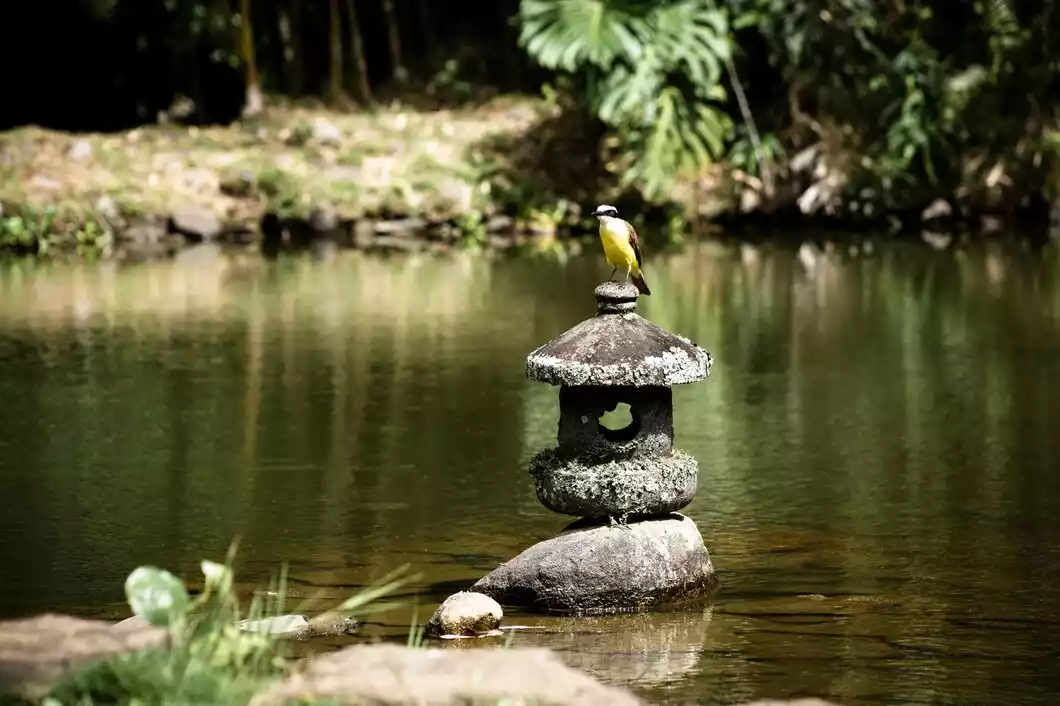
(616, 347)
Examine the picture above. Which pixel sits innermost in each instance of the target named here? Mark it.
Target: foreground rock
(395, 675)
(36, 652)
(637, 486)
(465, 614)
(600, 568)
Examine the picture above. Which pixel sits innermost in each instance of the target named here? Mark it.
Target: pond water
(879, 447)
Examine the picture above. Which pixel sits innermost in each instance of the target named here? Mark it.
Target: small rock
(323, 219)
(238, 185)
(326, 133)
(195, 222)
(143, 231)
(393, 675)
(937, 209)
(750, 200)
(465, 613)
(279, 626)
(597, 568)
(106, 208)
(400, 227)
(80, 151)
(500, 224)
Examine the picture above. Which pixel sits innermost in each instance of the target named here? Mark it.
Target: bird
(621, 245)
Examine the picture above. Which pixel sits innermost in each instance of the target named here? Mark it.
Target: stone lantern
(631, 549)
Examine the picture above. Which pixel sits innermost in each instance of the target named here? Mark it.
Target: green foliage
(652, 73)
(917, 94)
(906, 92)
(472, 229)
(209, 660)
(42, 231)
(906, 102)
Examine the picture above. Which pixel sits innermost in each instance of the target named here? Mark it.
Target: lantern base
(593, 568)
(617, 488)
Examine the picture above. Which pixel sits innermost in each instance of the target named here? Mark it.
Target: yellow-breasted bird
(621, 245)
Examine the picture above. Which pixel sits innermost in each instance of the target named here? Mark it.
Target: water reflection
(878, 479)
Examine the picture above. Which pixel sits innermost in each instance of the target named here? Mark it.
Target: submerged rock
(330, 624)
(396, 675)
(465, 613)
(279, 626)
(599, 568)
(618, 488)
(300, 627)
(810, 701)
(36, 652)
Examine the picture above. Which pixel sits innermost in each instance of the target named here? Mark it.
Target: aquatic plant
(208, 658)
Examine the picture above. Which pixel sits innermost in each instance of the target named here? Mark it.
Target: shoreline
(393, 180)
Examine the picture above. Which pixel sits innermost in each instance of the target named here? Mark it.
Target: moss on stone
(619, 488)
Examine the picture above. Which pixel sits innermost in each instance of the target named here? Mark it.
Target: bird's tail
(642, 286)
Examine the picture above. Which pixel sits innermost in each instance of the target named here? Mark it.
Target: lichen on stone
(618, 349)
(584, 486)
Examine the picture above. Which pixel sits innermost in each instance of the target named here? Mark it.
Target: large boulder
(395, 675)
(637, 486)
(594, 567)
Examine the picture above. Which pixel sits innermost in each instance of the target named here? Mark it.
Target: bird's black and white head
(604, 211)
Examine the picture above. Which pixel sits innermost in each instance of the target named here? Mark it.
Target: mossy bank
(392, 177)
(510, 171)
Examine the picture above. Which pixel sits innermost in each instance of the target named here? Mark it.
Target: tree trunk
(335, 21)
(360, 64)
(428, 33)
(395, 41)
(765, 164)
(254, 102)
(291, 35)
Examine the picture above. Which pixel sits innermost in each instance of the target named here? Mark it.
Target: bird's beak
(595, 213)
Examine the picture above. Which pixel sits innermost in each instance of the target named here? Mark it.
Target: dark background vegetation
(852, 107)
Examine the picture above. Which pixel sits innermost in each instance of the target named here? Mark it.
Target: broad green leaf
(155, 595)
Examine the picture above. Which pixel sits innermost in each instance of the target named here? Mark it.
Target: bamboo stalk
(335, 21)
(357, 52)
(395, 41)
(254, 102)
